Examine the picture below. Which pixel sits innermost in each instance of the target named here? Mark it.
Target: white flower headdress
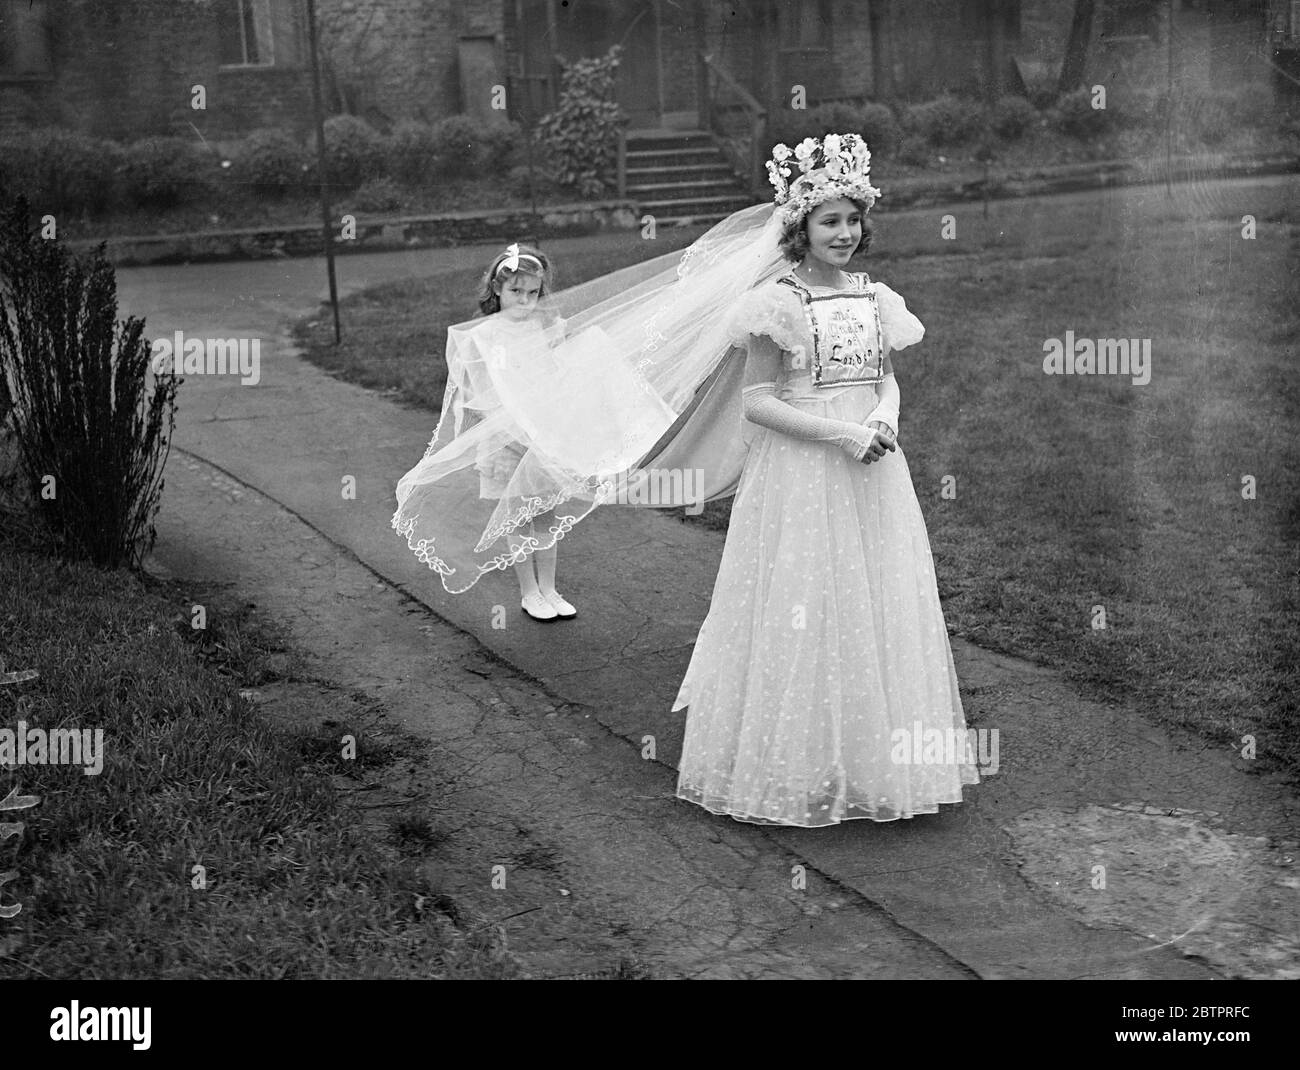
(837, 166)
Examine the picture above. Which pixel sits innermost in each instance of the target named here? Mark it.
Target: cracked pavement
(526, 741)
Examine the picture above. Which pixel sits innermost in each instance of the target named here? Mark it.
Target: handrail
(622, 159)
(724, 75)
(751, 168)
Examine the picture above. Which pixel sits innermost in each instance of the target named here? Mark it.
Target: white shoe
(537, 606)
(563, 609)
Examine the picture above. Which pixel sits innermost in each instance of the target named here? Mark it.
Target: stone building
(126, 68)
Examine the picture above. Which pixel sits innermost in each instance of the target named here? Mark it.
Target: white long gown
(824, 656)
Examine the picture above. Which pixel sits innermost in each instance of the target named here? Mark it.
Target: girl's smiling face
(834, 231)
(519, 294)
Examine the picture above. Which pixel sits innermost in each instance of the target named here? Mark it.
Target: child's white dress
(824, 658)
(536, 425)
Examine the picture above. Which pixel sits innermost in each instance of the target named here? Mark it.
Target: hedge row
(949, 120)
(65, 171)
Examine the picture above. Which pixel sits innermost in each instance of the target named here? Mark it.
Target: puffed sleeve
(768, 310)
(901, 328)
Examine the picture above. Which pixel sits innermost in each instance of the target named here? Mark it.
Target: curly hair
(489, 296)
(794, 239)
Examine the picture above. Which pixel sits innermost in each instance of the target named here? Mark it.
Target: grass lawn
(1072, 492)
(295, 887)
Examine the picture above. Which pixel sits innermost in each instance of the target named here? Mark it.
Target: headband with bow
(512, 259)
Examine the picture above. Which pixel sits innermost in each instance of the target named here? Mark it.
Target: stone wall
(1216, 45)
(403, 53)
(124, 68)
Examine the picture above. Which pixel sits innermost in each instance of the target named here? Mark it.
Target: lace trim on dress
(901, 328)
(769, 310)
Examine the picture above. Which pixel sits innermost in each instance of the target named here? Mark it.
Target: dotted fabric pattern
(825, 634)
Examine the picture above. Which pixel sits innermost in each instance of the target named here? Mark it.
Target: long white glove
(886, 410)
(764, 408)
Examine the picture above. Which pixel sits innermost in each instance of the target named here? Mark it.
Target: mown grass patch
(292, 884)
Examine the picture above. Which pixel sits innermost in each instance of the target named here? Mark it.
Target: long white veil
(623, 390)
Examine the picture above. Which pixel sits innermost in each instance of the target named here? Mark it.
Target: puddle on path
(1172, 877)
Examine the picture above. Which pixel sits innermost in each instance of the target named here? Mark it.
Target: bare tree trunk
(1076, 49)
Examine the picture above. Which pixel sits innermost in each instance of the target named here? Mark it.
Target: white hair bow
(512, 258)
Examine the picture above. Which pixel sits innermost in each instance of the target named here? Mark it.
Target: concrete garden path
(530, 740)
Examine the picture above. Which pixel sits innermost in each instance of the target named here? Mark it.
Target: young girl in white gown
(514, 283)
(502, 520)
(822, 673)
(823, 662)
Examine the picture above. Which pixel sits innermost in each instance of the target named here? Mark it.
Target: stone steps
(682, 177)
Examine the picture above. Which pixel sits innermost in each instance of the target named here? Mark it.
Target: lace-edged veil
(624, 390)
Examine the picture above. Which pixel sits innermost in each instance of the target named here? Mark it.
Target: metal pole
(1169, 110)
(622, 162)
(990, 12)
(320, 167)
(527, 115)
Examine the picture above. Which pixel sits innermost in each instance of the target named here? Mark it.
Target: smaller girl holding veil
(491, 361)
(541, 417)
(513, 286)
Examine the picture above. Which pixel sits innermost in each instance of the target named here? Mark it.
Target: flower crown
(837, 166)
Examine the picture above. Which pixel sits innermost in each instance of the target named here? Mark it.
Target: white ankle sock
(527, 581)
(546, 570)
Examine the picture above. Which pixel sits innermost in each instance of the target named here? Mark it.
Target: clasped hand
(881, 443)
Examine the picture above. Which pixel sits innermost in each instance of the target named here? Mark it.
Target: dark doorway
(577, 29)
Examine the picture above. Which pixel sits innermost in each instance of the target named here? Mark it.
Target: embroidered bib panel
(848, 343)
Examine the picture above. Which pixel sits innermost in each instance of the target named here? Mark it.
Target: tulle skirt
(822, 686)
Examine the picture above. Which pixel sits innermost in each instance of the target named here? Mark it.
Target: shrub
(378, 195)
(1209, 118)
(502, 146)
(271, 163)
(1012, 117)
(412, 152)
(880, 129)
(946, 120)
(546, 186)
(18, 168)
(1075, 116)
(80, 413)
(354, 151)
(914, 151)
(457, 143)
(582, 132)
(457, 146)
(875, 122)
(60, 170)
(1143, 109)
(791, 126)
(161, 172)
